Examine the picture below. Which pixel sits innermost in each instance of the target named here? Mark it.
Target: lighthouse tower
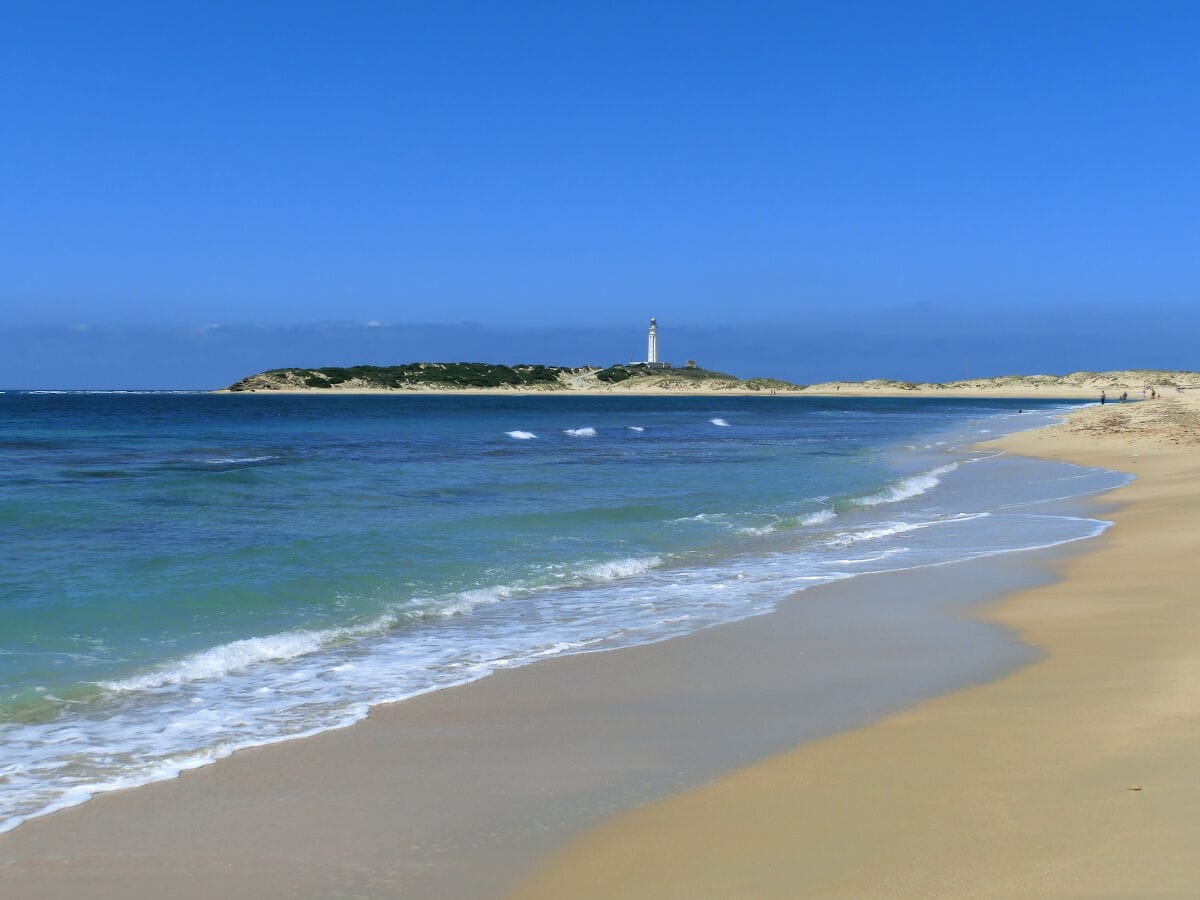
(652, 343)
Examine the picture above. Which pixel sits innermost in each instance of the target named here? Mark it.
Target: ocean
(185, 574)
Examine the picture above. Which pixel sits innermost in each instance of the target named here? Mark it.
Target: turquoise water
(185, 574)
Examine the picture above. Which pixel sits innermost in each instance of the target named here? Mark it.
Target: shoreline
(1074, 776)
(459, 791)
(170, 824)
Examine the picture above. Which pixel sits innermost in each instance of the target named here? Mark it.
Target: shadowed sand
(1077, 776)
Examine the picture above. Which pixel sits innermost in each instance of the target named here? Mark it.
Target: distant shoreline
(947, 393)
(469, 379)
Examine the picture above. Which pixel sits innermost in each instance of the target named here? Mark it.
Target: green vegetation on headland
(486, 376)
(444, 375)
(616, 374)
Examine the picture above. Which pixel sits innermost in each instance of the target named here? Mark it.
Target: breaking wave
(887, 529)
(238, 656)
(621, 568)
(819, 517)
(907, 488)
(816, 518)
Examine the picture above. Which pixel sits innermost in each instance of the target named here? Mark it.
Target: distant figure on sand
(1124, 396)
(1103, 397)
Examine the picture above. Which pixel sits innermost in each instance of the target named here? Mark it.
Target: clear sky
(809, 190)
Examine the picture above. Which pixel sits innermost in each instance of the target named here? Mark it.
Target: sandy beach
(1018, 787)
(1076, 776)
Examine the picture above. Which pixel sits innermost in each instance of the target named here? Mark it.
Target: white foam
(521, 435)
(760, 530)
(887, 529)
(816, 518)
(459, 604)
(621, 568)
(907, 488)
(872, 534)
(819, 517)
(563, 647)
(581, 432)
(982, 456)
(720, 423)
(884, 554)
(237, 656)
(635, 427)
(233, 460)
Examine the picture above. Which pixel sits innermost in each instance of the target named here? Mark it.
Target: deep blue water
(184, 574)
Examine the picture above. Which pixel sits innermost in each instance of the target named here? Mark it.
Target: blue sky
(807, 190)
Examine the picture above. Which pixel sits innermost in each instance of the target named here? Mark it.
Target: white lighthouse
(652, 343)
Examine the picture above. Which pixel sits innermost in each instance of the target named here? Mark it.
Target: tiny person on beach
(1103, 397)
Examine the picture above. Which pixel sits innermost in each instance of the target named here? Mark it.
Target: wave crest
(819, 517)
(237, 655)
(907, 488)
(816, 518)
(621, 568)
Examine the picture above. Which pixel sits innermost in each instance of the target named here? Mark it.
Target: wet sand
(1076, 776)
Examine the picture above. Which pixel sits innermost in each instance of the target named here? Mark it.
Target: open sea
(185, 574)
